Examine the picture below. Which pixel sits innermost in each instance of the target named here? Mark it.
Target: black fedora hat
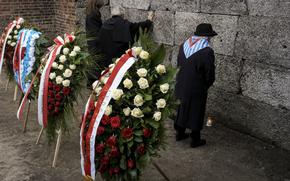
(204, 29)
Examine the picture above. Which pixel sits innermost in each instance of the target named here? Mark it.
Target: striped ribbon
(3, 42)
(87, 140)
(43, 86)
(193, 45)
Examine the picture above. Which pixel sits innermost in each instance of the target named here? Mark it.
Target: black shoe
(180, 137)
(195, 144)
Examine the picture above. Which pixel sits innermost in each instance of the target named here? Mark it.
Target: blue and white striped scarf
(193, 45)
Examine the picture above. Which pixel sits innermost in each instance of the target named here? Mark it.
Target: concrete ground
(228, 155)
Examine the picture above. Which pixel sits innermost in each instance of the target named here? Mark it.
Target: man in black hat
(196, 75)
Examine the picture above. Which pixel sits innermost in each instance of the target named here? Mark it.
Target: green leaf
(147, 110)
(138, 133)
(123, 164)
(158, 56)
(138, 139)
(133, 173)
(154, 124)
(131, 143)
(147, 97)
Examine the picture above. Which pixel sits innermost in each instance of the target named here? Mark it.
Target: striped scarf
(193, 45)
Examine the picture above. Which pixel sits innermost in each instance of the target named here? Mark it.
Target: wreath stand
(56, 152)
(26, 118)
(6, 85)
(15, 93)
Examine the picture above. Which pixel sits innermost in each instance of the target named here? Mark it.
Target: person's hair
(93, 6)
(117, 11)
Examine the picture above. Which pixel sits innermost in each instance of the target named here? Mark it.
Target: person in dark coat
(93, 26)
(196, 75)
(117, 34)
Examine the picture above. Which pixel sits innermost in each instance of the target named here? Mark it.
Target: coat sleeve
(134, 27)
(210, 69)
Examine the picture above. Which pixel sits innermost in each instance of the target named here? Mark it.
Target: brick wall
(37, 12)
(51, 16)
(65, 18)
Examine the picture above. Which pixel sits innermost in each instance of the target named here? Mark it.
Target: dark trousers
(195, 135)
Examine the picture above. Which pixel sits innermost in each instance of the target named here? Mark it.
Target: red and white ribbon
(8, 29)
(43, 86)
(88, 145)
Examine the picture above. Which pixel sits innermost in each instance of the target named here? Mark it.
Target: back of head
(93, 6)
(117, 11)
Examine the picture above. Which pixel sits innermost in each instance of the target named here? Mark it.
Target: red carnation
(141, 149)
(58, 97)
(89, 117)
(51, 101)
(50, 107)
(112, 141)
(56, 110)
(100, 130)
(105, 160)
(66, 91)
(105, 120)
(57, 103)
(130, 163)
(146, 133)
(91, 105)
(127, 133)
(111, 171)
(100, 148)
(51, 93)
(115, 122)
(116, 170)
(50, 85)
(103, 169)
(114, 152)
(57, 88)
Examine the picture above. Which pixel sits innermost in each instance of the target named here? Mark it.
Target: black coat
(93, 26)
(116, 35)
(196, 75)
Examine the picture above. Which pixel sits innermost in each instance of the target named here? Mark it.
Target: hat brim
(206, 34)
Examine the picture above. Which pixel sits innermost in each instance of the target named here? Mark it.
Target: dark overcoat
(93, 26)
(195, 76)
(116, 35)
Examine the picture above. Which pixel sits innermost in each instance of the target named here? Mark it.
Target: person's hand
(151, 16)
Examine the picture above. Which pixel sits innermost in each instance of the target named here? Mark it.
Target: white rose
(43, 60)
(117, 60)
(117, 94)
(144, 55)
(164, 88)
(65, 51)
(161, 103)
(128, 83)
(138, 100)
(142, 72)
(67, 73)
(157, 116)
(137, 113)
(73, 66)
(14, 22)
(60, 67)
(77, 49)
(66, 83)
(58, 79)
(73, 54)
(98, 90)
(127, 111)
(111, 66)
(15, 32)
(13, 44)
(9, 42)
(62, 58)
(9, 37)
(15, 37)
(160, 69)
(95, 84)
(108, 110)
(143, 83)
(52, 75)
(136, 51)
(54, 65)
(104, 79)
(18, 26)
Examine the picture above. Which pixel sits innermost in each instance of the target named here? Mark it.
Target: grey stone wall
(252, 89)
